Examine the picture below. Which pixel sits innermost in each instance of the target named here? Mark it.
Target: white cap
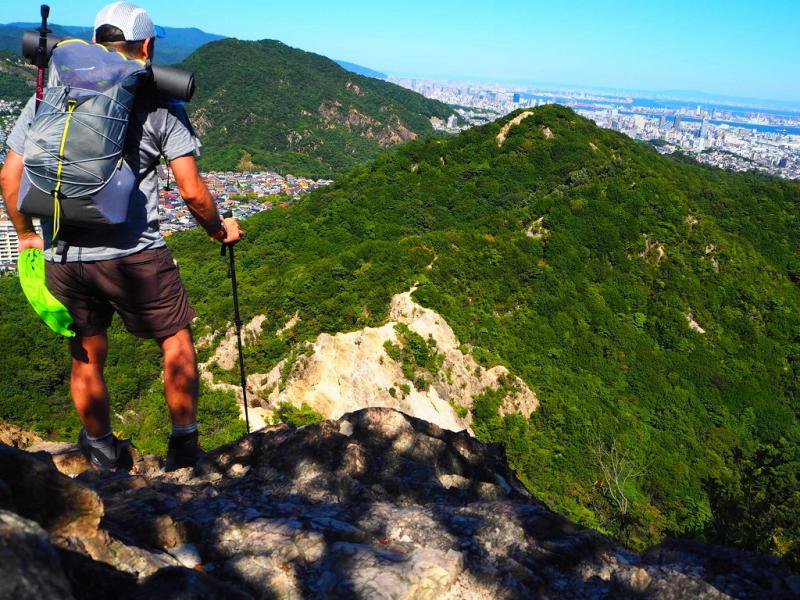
(132, 20)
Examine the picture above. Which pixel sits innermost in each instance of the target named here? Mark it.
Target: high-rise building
(516, 97)
(677, 123)
(704, 129)
(662, 122)
(9, 244)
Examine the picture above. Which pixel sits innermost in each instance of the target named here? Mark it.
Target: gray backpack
(75, 172)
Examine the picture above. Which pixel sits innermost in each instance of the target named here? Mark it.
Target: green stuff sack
(47, 306)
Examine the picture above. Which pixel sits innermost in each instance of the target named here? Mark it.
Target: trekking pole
(41, 55)
(236, 318)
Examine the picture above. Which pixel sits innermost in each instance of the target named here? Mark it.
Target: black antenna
(166, 188)
(41, 54)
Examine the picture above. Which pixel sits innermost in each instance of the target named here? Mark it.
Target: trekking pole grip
(226, 215)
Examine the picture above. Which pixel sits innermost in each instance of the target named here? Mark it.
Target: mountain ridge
(571, 255)
(178, 43)
(270, 105)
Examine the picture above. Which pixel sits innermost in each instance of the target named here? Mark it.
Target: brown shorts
(144, 288)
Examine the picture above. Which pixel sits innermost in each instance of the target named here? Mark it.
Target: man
(127, 269)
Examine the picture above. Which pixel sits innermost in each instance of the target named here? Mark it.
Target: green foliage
(17, 79)
(393, 351)
(461, 411)
(587, 311)
(415, 354)
(266, 105)
(305, 415)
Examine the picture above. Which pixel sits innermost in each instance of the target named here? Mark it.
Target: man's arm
(199, 201)
(10, 178)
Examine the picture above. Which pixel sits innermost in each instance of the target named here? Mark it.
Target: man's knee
(89, 352)
(179, 355)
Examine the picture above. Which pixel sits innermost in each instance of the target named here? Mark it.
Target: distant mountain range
(177, 44)
(366, 71)
(267, 105)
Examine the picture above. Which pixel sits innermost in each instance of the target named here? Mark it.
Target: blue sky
(733, 47)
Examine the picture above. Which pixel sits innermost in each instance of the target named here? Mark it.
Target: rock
(187, 555)
(39, 492)
(376, 505)
(30, 567)
(345, 372)
(178, 583)
(793, 583)
(13, 436)
(67, 458)
(632, 579)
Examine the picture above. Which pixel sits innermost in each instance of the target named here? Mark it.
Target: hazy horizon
(717, 48)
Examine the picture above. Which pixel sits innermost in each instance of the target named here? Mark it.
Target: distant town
(738, 138)
(242, 193)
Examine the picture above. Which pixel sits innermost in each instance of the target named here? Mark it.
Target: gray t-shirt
(160, 128)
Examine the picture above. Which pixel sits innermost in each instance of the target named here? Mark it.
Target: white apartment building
(9, 245)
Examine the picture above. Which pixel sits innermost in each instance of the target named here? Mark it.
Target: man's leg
(88, 386)
(180, 376)
(90, 397)
(180, 389)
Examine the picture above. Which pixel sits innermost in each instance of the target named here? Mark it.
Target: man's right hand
(234, 232)
(30, 240)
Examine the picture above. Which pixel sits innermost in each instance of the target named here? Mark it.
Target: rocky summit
(376, 504)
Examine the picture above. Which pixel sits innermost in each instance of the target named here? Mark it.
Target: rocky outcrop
(31, 567)
(345, 372)
(374, 505)
(501, 137)
(37, 491)
(11, 435)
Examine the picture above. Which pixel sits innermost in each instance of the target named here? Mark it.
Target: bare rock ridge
(345, 372)
(374, 505)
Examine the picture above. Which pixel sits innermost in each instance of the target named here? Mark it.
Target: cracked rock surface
(376, 505)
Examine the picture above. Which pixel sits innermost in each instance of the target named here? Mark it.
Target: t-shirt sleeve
(179, 135)
(19, 133)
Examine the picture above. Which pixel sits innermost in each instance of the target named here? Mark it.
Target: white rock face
(349, 371)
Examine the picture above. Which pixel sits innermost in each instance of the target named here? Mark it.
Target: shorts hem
(160, 334)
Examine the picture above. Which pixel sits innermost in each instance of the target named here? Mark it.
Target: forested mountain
(651, 303)
(177, 44)
(265, 104)
(17, 79)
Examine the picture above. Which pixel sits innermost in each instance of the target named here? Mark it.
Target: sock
(104, 443)
(181, 430)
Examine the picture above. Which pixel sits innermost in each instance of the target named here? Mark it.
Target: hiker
(126, 268)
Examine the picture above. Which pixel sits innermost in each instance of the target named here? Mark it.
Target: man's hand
(10, 177)
(233, 231)
(30, 240)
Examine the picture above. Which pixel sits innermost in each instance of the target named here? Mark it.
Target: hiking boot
(183, 451)
(121, 462)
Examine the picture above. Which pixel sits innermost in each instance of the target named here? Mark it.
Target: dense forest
(17, 79)
(653, 305)
(267, 105)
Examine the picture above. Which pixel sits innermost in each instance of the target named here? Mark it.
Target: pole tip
(45, 11)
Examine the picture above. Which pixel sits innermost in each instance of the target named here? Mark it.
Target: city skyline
(719, 48)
